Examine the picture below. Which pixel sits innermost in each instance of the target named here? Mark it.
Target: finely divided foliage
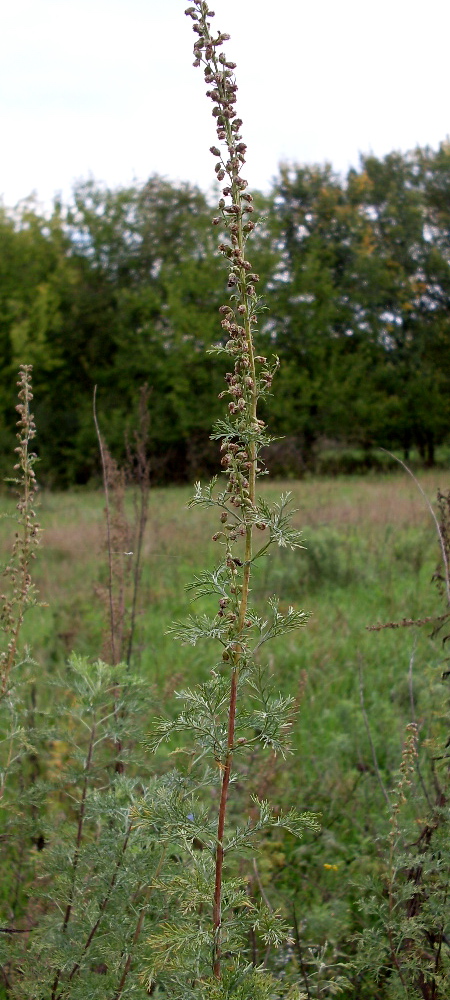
(234, 710)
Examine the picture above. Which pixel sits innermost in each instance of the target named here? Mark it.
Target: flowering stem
(13, 610)
(242, 433)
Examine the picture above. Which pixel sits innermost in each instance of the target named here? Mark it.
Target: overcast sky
(106, 88)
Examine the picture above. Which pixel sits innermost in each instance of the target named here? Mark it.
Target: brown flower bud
(214, 150)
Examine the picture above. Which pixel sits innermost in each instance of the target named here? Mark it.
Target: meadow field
(371, 550)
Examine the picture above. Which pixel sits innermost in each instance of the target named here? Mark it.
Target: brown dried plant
(124, 535)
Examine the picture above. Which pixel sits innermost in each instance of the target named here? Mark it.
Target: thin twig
(407, 622)
(260, 886)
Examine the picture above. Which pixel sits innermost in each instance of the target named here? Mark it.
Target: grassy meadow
(370, 554)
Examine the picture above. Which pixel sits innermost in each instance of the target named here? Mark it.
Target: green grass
(370, 551)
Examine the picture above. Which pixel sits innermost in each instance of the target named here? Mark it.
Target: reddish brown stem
(76, 856)
(217, 907)
(104, 902)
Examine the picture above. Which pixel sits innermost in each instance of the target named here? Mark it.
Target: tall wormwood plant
(207, 952)
(20, 592)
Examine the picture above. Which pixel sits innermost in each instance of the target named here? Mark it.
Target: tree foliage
(121, 287)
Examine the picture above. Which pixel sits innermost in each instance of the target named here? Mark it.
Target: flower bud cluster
(250, 376)
(219, 76)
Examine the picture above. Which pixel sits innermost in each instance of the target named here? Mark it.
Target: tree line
(122, 288)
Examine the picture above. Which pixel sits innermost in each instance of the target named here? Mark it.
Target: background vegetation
(371, 553)
(121, 288)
